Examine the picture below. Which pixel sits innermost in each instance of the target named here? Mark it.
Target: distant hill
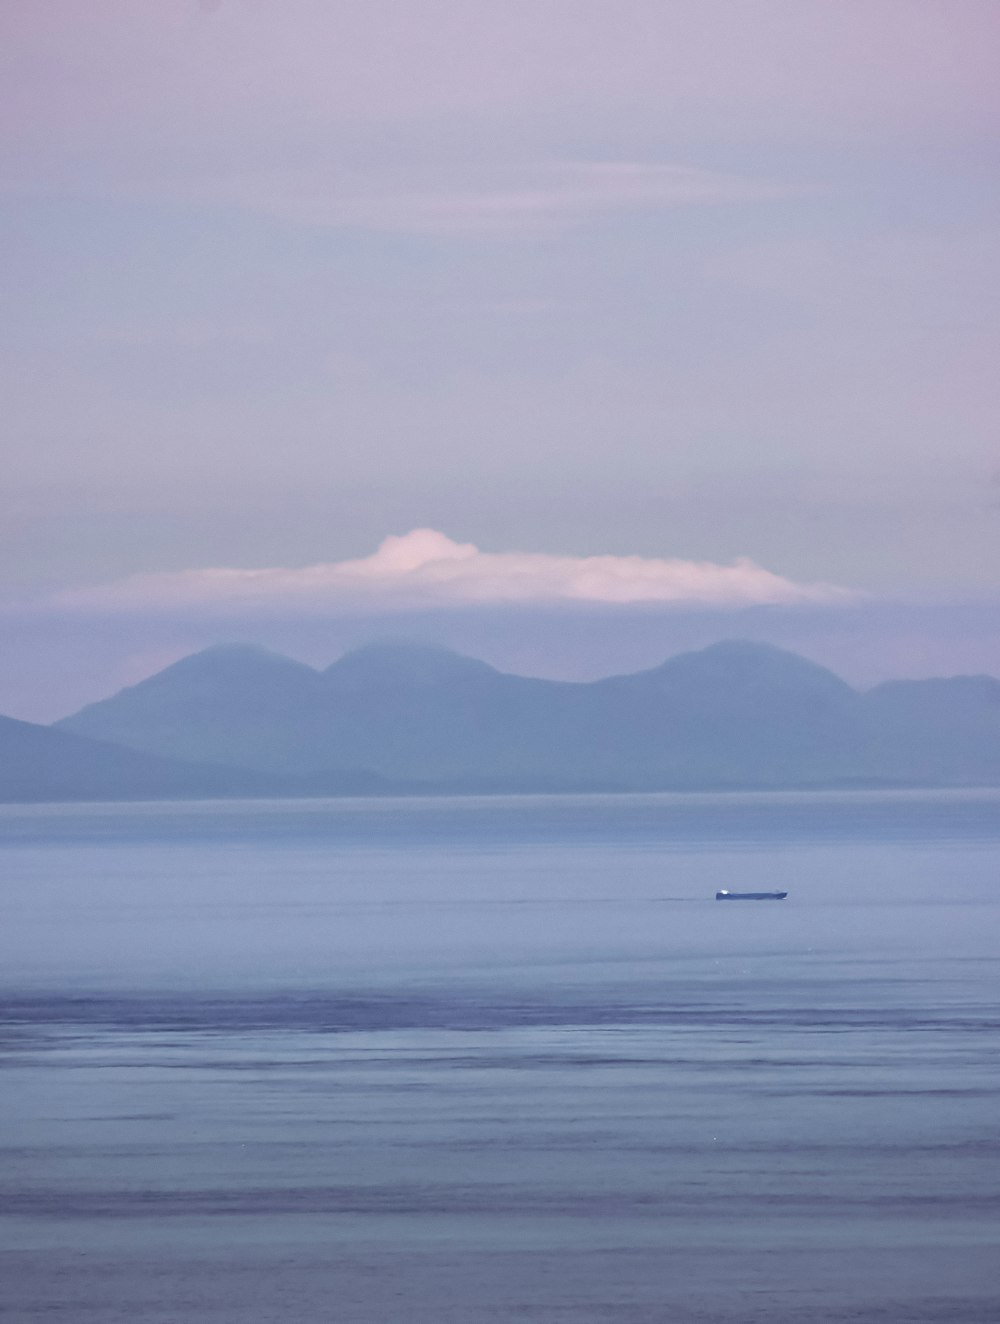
(735, 714)
(231, 704)
(40, 764)
(37, 763)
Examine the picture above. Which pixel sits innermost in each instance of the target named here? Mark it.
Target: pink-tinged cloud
(504, 199)
(426, 569)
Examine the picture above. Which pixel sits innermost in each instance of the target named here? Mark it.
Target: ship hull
(725, 895)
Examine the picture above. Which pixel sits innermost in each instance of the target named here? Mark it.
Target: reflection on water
(501, 1059)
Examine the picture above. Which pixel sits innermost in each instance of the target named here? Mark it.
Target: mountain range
(238, 720)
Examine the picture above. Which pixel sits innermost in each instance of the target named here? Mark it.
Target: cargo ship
(726, 895)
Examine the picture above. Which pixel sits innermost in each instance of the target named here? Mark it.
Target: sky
(566, 332)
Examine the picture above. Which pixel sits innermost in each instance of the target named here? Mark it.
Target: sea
(442, 1061)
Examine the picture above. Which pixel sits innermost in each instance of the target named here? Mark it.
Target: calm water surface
(501, 1059)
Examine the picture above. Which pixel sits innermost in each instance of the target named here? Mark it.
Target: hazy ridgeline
(400, 718)
(501, 1058)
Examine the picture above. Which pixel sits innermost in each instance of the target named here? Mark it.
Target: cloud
(444, 198)
(426, 569)
(542, 197)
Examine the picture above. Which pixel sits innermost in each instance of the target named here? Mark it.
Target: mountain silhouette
(735, 714)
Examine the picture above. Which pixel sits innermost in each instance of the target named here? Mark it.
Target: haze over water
(494, 1059)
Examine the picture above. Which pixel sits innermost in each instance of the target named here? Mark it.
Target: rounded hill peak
(232, 659)
(742, 665)
(399, 662)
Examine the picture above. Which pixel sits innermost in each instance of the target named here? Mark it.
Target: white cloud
(426, 569)
(477, 200)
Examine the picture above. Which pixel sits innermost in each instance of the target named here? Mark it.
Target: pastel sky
(656, 305)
